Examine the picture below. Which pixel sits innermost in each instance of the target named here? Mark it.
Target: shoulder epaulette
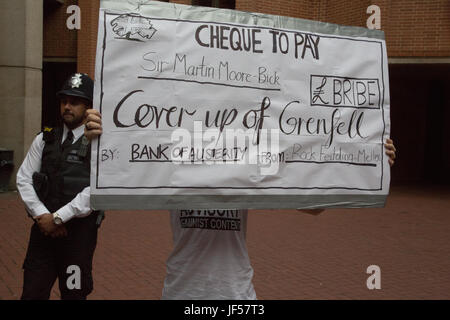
(49, 134)
(46, 129)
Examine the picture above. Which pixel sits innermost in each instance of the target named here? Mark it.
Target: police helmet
(78, 85)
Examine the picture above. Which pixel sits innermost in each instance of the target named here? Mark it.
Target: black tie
(68, 141)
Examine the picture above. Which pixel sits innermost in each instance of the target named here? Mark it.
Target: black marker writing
(307, 41)
(220, 122)
(224, 37)
(322, 126)
(253, 120)
(146, 114)
(319, 91)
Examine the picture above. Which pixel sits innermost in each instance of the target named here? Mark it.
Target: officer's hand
(46, 224)
(59, 232)
(312, 211)
(390, 151)
(93, 124)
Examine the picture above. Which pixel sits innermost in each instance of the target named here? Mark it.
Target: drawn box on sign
(344, 92)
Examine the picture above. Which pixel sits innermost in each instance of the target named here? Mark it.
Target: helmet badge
(76, 80)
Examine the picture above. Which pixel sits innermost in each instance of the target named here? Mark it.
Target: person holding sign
(53, 182)
(209, 259)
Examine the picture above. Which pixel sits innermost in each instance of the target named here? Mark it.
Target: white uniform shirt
(209, 259)
(78, 207)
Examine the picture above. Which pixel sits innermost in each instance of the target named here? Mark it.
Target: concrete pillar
(20, 76)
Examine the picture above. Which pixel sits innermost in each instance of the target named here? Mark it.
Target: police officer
(53, 182)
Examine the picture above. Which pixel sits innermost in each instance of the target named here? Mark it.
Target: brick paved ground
(295, 256)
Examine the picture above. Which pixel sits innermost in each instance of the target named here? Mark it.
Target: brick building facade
(413, 28)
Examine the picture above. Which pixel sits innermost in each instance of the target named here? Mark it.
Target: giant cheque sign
(213, 108)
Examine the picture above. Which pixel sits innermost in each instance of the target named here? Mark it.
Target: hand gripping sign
(214, 108)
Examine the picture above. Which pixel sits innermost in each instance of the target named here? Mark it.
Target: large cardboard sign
(213, 108)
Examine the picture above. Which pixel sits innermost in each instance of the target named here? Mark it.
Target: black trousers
(69, 259)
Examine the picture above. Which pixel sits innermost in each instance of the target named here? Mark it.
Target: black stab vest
(67, 171)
